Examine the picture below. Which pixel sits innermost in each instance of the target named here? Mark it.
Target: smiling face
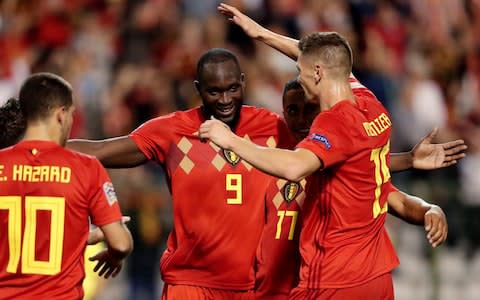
(221, 87)
(299, 112)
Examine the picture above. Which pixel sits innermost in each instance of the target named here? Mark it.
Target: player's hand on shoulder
(429, 156)
(109, 264)
(217, 132)
(436, 226)
(249, 26)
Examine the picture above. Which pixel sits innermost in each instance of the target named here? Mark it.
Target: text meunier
(377, 126)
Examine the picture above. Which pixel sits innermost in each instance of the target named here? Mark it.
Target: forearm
(287, 164)
(118, 238)
(284, 44)
(401, 161)
(409, 208)
(89, 147)
(118, 152)
(95, 236)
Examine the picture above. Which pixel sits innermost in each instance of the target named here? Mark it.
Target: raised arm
(284, 44)
(118, 152)
(416, 211)
(120, 244)
(424, 155)
(428, 156)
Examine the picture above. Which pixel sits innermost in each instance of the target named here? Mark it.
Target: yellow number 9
(234, 184)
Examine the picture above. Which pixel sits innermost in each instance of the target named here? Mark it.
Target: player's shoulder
(368, 101)
(176, 117)
(339, 118)
(256, 111)
(7, 153)
(259, 113)
(258, 121)
(332, 115)
(167, 126)
(81, 159)
(6, 149)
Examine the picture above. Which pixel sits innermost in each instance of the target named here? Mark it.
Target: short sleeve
(388, 188)
(152, 138)
(103, 203)
(328, 139)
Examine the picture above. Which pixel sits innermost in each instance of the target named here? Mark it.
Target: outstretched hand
(217, 132)
(428, 156)
(436, 226)
(249, 26)
(108, 263)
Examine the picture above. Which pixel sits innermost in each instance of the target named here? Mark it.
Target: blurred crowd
(132, 60)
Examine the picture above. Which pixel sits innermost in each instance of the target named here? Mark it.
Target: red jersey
(218, 212)
(278, 258)
(47, 194)
(344, 242)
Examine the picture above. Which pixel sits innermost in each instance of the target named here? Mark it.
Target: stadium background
(129, 61)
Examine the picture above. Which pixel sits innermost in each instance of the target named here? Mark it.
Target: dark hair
(214, 56)
(41, 93)
(12, 123)
(331, 48)
(292, 84)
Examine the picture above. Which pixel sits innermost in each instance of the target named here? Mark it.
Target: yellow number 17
(281, 215)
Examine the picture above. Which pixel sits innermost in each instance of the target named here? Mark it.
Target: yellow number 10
(378, 156)
(56, 206)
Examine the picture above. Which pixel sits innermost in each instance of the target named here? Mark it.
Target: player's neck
(42, 131)
(334, 91)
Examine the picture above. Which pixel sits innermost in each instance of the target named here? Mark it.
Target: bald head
(216, 56)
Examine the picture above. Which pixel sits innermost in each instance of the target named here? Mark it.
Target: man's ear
(242, 79)
(196, 83)
(60, 114)
(318, 73)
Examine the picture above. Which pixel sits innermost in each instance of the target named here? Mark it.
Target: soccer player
(47, 194)
(346, 251)
(278, 257)
(217, 216)
(429, 156)
(213, 191)
(13, 125)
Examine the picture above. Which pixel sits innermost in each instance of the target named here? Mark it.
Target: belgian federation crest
(290, 191)
(231, 157)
